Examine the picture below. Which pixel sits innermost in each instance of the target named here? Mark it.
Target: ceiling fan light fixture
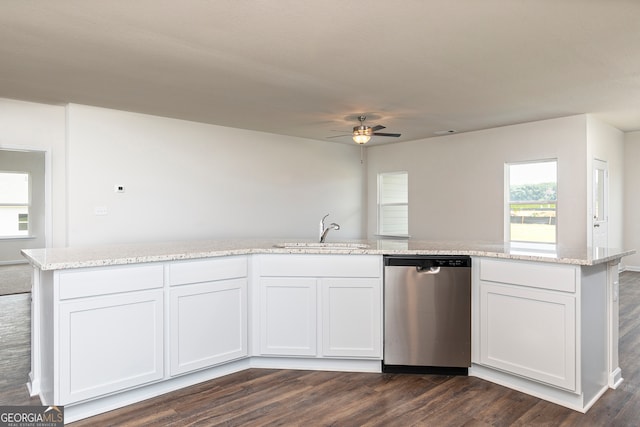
(361, 134)
(361, 138)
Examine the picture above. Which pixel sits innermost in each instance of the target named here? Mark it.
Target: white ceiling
(308, 68)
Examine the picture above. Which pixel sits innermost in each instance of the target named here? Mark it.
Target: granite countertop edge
(109, 255)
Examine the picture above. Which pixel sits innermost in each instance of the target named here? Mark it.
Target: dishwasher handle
(430, 270)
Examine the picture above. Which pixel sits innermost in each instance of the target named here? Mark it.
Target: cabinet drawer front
(207, 270)
(535, 275)
(109, 280)
(307, 265)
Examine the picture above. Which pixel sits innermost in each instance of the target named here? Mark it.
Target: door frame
(48, 209)
(595, 222)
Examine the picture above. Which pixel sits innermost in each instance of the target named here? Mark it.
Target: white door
(110, 343)
(600, 224)
(352, 317)
(208, 324)
(529, 332)
(288, 316)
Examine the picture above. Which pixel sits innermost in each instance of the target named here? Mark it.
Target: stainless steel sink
(317, 245)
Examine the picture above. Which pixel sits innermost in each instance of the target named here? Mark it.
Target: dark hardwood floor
(303, 398)
(15, 349)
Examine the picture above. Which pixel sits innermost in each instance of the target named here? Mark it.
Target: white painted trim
(615, 378)
(561, 397)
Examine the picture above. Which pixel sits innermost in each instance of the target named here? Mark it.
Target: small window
(532, 198)
(393, 204)
(14, 204)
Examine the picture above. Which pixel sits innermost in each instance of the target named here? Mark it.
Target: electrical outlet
(118, 188)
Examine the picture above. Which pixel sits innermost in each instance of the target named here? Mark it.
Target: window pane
(14, 188)
(393, 188)
(598, 206)
(14, 204)
(393, 207)
(533, 202)
(14, 221)
(394, 219)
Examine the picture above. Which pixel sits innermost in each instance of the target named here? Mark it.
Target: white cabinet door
(208, 324)
(288, 316)
(110, 343)
(529, 332)
(351, 317)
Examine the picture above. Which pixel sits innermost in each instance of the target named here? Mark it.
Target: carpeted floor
(15, 279)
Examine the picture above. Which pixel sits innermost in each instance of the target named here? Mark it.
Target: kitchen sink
(317, 245)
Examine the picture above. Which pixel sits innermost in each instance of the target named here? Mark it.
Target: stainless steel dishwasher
(427, 314)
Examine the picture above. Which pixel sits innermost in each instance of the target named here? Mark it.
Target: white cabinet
(288, 316)
(208, 318)
(527, 315)
(529, 332)
(334, 312)
(351, 317)
(113, 341)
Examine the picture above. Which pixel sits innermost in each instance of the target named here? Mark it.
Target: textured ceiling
(308, 68)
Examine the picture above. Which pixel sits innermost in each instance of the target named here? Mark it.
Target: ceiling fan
(362, 134)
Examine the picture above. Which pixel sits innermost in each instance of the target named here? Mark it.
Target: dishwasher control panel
(428, 261)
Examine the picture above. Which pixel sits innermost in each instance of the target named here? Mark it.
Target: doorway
(22, 215)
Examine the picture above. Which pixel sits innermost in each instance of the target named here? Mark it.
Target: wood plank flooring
(303, 398)
(15, 349)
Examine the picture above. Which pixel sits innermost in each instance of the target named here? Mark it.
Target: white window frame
(381, 206)
(507, 208)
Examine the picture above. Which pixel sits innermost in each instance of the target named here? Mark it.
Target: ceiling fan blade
(395, 135)
(377, 128)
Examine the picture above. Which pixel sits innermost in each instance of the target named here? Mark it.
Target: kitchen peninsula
(115, 325)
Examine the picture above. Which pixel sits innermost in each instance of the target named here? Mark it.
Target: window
(531, 201)
(393, 204)
(14, 204)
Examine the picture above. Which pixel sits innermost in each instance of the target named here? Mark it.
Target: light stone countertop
(98, 256)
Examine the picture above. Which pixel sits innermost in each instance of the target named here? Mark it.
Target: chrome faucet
(324, 231)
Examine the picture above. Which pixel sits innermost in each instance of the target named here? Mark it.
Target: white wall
(186, 180)
(632, 199)
(456, 182)
(606, 143)
(40, 127)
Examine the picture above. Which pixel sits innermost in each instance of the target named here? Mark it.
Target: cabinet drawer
(109, 280)
(207, 270)
(535, 275)
(306, 265)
